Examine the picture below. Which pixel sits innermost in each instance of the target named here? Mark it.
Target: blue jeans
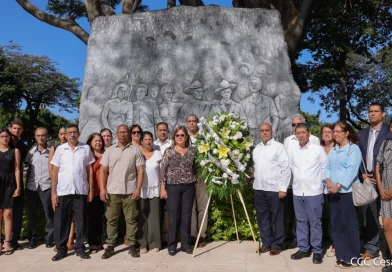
(308, 213)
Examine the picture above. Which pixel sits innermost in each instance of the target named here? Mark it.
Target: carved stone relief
(164, 65)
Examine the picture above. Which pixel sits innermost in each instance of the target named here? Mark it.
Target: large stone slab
(164, 65)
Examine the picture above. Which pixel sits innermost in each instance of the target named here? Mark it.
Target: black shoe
(60, 255)
(317, 258)
(49, 244)
(83, 255)
(293, 244)
(134, 251)
(299, 255)
(109, 252)
(187, 251)
(32, 243)
(17, 246)
(172, 252)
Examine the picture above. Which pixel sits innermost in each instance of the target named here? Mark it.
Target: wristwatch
(339, 186)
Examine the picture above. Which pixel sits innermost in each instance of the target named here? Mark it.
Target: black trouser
(270, 218)
(344, 226)
(33, 198)
(291, 211)
(17, 215)
(327, 207)
(63, 219)
(179, 202)
(97, 233)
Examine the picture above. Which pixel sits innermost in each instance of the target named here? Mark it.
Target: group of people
(90, 186)
(312, 175)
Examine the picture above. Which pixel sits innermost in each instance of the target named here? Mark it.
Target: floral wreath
(223, 153)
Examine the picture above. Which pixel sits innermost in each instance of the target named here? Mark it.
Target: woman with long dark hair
(341, 172)
(9, 184)
(177, 179)
(96, 208)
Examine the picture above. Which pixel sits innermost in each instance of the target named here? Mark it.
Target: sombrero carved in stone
(225, 85)
(195, 85)
(250, 67)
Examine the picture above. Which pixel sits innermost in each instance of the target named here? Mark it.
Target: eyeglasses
(4, 137)
(338, 131)
(180, 135)
(136, 132)
(294, 125)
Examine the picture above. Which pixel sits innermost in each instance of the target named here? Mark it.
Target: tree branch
(192, 3)
(68, 25)
(106, 9)
(171, 3)
(130, 6)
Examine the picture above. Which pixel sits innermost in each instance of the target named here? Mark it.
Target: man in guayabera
(121, 178)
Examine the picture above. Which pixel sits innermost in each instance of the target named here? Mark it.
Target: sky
(39, 38)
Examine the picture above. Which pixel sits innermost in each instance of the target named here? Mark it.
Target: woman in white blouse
(149, 230)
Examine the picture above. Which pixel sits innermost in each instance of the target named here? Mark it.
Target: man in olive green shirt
(124, 163)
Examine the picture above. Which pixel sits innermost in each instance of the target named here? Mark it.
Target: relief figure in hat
(226, 104)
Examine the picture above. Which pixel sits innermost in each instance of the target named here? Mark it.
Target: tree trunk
(93, 9)
(171, 3)
(192, 3)
(342, 98)
(130, 6)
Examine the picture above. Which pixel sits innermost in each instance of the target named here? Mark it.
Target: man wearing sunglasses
(290, 143)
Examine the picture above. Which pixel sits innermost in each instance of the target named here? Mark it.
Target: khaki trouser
(113, 211)
(199, 206)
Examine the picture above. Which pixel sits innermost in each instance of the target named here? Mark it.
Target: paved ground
(216, 256)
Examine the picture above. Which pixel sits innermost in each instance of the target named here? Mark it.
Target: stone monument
(164, 65)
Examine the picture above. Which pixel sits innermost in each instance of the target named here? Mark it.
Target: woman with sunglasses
(136, 133)
(149, 230)
(9, 184)
(340, 173)
(96, 208)
(177, 179)
(328, 142)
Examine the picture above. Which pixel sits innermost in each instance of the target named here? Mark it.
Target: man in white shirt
(38, 185)
(201, 196)
(163, 140)
(271, 179)
(72, 187)
(161, 144)
(289, 143)
(307, 163)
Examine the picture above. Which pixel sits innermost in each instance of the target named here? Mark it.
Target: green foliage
(346, 41)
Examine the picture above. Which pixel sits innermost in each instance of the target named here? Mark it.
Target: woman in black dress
(9, 183)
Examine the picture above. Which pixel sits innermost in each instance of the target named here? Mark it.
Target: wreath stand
(235, 222)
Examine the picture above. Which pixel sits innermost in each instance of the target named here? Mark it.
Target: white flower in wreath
(225, 133)
(237, 136)
(215, 151)
(209, 169)
(248, 156)
(225, 176)
(225, 163)
(222, 118)
(236, 152)
(231, 114)
(203, 163)
(208, 136)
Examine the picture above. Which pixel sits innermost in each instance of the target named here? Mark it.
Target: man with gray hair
(38, 187)
(290, 143)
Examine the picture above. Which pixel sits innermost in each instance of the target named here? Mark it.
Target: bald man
(271, 178)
